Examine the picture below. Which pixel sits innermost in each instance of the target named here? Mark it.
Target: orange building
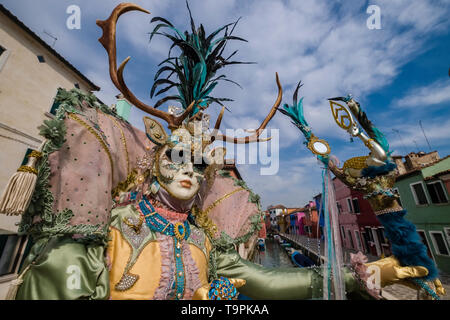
(311, 220)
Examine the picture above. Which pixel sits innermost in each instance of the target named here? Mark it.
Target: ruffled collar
(167, 213)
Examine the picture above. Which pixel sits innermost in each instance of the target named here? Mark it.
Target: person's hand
(392, 272)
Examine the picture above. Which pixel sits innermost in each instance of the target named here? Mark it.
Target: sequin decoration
(197, 237)
(130, 233)
(126, 282)
(222, 289)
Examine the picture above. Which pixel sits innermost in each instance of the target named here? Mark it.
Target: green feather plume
(295, 112)
(193, 71)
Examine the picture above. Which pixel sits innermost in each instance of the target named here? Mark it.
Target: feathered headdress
(193, 71)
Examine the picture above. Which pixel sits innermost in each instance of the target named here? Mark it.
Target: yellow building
(30, 74)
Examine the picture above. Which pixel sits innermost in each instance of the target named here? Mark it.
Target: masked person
(175, 219)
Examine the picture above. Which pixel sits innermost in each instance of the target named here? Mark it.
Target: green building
(424, 193)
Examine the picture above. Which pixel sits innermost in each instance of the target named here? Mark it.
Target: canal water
(274, 256)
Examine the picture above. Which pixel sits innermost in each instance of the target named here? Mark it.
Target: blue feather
(295, 112)
(373, 171)
(380, 139)
(406, 243)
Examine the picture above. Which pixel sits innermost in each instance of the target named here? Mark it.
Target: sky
(399, 73)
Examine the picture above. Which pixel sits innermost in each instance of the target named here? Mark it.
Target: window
(77, 86)
(349, 203)
(381, 237)
(358, 240)
(351, 239)
(419, 193)
(343, 232)
(369, 233)
(437, 192)
(11, 247)
(55, 104)
(356, 205)
(447, 234)
(440, 246)
(4, 54)
(41, 59)
(339, 207)
(425, 242)
(25, 158)
(366, 241)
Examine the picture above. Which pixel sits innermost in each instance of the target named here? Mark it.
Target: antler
(108, 40)
(255, 136)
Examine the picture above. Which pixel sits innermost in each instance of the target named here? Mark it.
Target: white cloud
(432, 94)
(292, 186)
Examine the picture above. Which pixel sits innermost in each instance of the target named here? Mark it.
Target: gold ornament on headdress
(341, 115)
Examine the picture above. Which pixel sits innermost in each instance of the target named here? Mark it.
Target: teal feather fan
(295, 112)
(193, 71)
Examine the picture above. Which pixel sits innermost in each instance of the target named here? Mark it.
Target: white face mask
(177, 174)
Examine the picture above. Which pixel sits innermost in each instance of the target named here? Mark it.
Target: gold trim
(346, 115)
(124, 142)
(27, 169)
(313, 140)
(367, 143)
(215, 203)
(201, 217)
(150, 214)
(97, 136)
(357, 163)
(165, 228)
(137, 227)
(35, 154)
(178, 235)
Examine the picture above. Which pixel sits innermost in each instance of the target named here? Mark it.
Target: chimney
(401, 169)
(123, 107)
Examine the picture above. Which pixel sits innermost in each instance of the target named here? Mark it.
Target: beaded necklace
(178, 231)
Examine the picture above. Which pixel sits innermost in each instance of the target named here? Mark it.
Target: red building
(311, 220)
(360, 229)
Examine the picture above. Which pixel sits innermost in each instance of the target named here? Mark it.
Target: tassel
(14, 286)
(20, 188)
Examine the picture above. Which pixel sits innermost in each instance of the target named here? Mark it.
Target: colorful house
(291, 219)
(424, 193)
(275, 212)
(300, 223)
(311, 220)
(359, 228)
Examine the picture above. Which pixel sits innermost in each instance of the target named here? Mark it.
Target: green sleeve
(63, 269)
(278, 283)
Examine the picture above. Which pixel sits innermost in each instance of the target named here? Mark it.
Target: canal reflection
(274, 255)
